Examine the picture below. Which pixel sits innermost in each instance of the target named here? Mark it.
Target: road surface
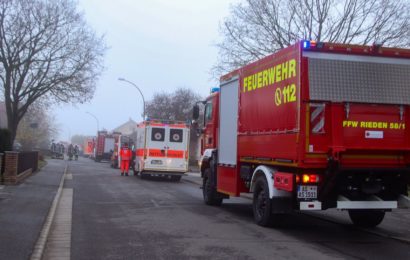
(115, 217)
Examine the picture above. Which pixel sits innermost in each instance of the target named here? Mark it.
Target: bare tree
(175, 106)
(256, 28)
(46, 51)
(36, 129)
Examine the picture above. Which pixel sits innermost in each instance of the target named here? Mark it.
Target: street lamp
(96, 119)
(143, 99)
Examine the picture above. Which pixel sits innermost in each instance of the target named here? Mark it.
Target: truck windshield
(354, 78)
(208, 112)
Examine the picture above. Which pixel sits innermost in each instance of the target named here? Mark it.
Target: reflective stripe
(175, 154)
(169, 153)
(156, 153)
(317, 118)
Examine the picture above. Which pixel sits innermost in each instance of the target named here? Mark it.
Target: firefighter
(126, 157)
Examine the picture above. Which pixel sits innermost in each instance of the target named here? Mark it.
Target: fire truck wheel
(261, 203)
(366, 218)
(209, 191)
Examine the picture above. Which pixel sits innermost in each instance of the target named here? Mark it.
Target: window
(176, 135)
(158, 134)
(208, 112)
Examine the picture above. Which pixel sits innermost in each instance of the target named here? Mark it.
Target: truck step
(373, 202)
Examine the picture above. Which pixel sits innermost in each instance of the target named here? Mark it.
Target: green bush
(5, 140)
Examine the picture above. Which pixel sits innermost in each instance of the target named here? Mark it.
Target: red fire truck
(311, 127)
(104, 146)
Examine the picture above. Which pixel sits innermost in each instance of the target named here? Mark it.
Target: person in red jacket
(126, 157)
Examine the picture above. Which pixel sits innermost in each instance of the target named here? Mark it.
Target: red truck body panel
(88, 146)
(280, 124)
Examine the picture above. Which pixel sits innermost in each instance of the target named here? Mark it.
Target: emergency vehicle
(88, 147)
(162, 149)
(120, 140)
(312, 127)
(104, 146)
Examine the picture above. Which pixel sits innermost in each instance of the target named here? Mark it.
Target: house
(127, 128)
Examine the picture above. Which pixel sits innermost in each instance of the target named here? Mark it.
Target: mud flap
(281, 205)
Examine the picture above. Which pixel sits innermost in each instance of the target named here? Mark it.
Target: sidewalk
(24, 208)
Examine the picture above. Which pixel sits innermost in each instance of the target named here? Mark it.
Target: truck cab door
(208, 140)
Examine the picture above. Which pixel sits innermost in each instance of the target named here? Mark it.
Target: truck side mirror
(195, 112)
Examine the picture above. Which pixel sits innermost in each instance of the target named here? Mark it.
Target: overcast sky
(160, 45)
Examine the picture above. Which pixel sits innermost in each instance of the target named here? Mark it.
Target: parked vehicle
(105, 145)
(88, 147)
(162, 149)
(57, 151)
(311, 127)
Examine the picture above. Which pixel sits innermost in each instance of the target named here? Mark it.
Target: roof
(127, 128)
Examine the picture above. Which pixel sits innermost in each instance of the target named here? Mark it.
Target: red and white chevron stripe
(317, 118)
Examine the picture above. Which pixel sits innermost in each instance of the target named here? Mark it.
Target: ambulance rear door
(156, 146)
(177, 148)
(167, 148)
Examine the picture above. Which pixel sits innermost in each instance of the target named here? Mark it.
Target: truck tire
(209, 192)
(262, 206)
(366, 218)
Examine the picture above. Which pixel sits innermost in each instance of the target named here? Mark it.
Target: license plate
(307, 192)
(157, 162)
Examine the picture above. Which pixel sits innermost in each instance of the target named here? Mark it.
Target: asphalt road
(118, 217)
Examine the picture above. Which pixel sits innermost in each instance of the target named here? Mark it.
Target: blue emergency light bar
(309, 44)
(214, 90)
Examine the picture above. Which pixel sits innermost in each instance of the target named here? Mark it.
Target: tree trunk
(12, 124)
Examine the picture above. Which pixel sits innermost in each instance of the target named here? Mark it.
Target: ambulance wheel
(176, 178)
(366, 218)
(262, 206)
(210, 194)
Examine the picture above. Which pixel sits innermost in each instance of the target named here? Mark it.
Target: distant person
(76, 152)
(126, 157)
(70, 152)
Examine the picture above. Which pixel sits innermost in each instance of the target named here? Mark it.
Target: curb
(42, 240)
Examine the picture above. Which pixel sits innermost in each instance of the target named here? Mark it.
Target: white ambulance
(162, 149)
